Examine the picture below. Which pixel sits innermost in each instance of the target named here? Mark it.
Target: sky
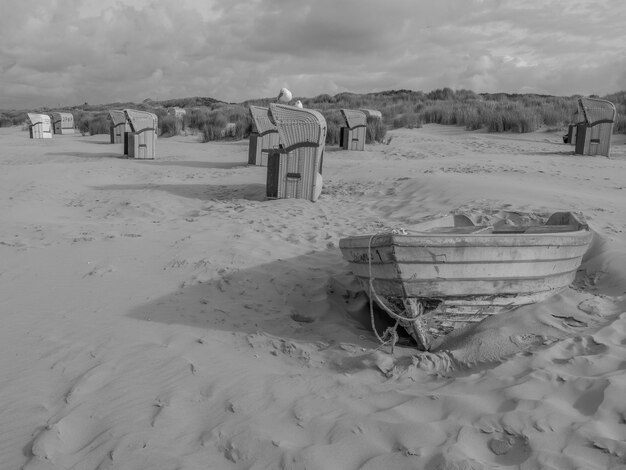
(57, 53)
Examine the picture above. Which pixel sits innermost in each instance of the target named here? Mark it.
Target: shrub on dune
(375, 130)
(213, 127)
(334, 123)
(99, 124)
(170, 125)
(5, 121)
(620, 124)
(243, 127)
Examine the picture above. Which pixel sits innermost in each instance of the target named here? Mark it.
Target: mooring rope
(391, 331)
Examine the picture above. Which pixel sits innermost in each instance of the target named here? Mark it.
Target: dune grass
(499, 112)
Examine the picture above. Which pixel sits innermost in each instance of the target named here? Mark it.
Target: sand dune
(162, 314)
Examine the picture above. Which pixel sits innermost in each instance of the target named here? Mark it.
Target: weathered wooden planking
(445, 265)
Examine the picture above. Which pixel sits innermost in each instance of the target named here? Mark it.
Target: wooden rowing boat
(452, 271)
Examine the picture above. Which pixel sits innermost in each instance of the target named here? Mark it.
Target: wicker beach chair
(263, 138)
(143, 134)
(62, 123)
(119, 127)
(40, 126)
(594, 131)
(352, 135)
(295, 169)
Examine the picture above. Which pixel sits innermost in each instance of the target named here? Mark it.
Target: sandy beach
(162, 314)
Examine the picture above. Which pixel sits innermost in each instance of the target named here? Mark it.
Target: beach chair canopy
(261, 120)
(354, 118)
(298, 127)
(141, 121)
(594, 111)
(35, 119)
(373, 113)
(117, 117)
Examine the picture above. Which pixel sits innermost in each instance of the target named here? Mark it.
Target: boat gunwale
(378, 262)
(497, 240)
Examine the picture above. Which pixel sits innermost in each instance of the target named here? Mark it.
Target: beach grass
(495, 112)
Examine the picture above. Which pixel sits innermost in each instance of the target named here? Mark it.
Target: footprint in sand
(585, 346)
(597, 306)
(509, 449)
(531, 341)
(591, 396)
(571, 321)
(61, 442)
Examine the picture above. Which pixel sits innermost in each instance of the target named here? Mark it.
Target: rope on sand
(390, 336)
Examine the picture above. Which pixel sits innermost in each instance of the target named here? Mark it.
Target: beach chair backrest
(141, 121)
(261, 120)
(298, 127)
(596, 111)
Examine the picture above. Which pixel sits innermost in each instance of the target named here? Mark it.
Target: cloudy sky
(67, 52)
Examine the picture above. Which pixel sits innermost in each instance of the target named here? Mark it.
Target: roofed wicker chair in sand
(119, 127)
(263, 138)
(143, 134)
(594, 131)
(62, 123)
(40, 126)
(295, 169)
(352, 135)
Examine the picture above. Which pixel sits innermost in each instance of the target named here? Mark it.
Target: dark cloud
(71, 51)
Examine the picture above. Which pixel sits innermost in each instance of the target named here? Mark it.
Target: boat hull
(467, 276)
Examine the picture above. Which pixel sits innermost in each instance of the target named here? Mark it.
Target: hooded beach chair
(594, 131)
(352, 135)
(294, 170)
(39, 127)
(62, 123)
(119, 128)
(263, 138)
(143, 134)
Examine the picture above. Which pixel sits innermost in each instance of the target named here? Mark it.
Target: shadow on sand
(251, 192)
(306, 298)
(564, 153)
(99, 142)
(88, 155)
(196, 164)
